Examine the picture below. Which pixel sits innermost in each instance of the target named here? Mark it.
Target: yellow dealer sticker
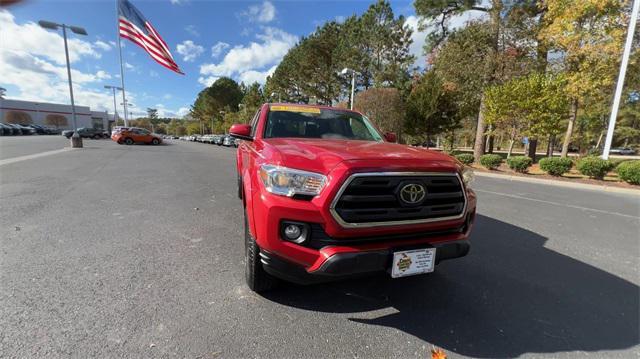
(301, 109)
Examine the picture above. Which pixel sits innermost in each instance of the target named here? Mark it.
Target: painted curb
(592, 187)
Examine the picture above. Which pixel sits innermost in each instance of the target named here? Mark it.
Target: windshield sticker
(301, 109)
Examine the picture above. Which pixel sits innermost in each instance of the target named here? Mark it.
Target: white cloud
(183, 111)
(103, 75)
(262, 13)
(37, 41)
(191, 29)
(102, 45)
(256, 56)
(176, 2)
(129, 66)
(207, 80)
(219, 48)
(418, 38)
(39, 80)
(189, 50)
(251, 76)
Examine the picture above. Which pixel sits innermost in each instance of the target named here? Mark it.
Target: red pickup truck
(326, 196)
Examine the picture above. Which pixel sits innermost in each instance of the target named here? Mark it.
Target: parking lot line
(31, 157)
(557, 203)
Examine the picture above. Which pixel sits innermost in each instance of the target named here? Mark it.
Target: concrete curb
(593, 187)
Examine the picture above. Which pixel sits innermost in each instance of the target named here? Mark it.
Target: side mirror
(241, 131)
(390, 137)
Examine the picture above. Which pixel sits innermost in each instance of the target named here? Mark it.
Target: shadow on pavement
(509, 297)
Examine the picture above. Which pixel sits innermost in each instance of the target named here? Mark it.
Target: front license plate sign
(417, 261)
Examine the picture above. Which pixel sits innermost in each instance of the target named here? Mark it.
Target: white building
(52, 115)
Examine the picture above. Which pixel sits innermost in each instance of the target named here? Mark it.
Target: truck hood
(322, 155)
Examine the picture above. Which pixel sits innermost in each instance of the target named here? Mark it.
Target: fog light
(296, 232)
(292, 232)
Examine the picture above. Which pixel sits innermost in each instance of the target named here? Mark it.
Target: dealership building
(52, 115)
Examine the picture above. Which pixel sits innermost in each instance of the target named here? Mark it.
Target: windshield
(312, 122)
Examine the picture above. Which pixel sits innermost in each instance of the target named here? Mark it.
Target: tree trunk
(512, 141)
(572, 121)
(551, 145)
(478, 147)
(533, 145)
(599, 140)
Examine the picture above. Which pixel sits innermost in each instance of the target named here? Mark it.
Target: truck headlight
(468, 176)
(289, 182)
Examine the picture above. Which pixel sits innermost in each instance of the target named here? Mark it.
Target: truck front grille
(388, 199)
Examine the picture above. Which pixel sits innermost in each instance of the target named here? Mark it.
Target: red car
(326, 197)
(129, 136)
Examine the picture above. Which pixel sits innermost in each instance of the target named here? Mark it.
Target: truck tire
(258, 280)
(239, 187)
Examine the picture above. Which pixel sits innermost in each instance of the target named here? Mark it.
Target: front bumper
(351, 264)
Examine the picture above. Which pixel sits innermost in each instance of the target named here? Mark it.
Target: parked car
(37, 129)
(26, 130)
(626, 151)
(217, 139)
(6, 130)
(17, 130)
(85, 132)
(326, 196)
(136, 135)
(228, 141)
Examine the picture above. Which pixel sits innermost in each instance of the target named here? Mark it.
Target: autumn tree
(439, 13)
(56, 120)
(589, 35)
(384, 107)
(532, 106)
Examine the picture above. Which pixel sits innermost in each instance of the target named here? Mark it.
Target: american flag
(135, 27)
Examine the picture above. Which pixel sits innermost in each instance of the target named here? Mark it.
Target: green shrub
(465, 158)
(556, 166)
(491, 161)
(519, 163)
(629, 171)
(594, 167)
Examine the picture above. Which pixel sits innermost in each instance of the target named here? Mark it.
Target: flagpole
(124, 99)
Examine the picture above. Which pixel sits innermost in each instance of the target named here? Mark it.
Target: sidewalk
(594, 187)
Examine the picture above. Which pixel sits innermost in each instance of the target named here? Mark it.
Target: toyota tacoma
(326, 196)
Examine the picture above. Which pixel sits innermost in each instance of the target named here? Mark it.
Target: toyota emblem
(412, 193)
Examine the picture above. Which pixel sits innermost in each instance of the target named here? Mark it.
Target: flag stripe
(158, 59)
(157, 36)
(154, 51)
(147, 43)
(134, 27)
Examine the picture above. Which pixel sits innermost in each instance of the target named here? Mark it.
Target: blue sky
(241, 39)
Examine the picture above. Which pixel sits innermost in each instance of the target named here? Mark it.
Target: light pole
(115, 108)
(126, 105)
(345, 71)
(621, 75)
(76, 140)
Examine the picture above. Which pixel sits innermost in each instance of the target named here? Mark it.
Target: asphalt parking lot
(136, 251)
